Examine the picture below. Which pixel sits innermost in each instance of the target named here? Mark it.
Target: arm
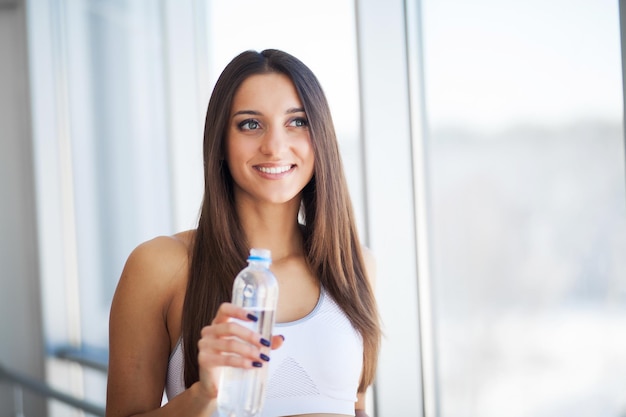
(138, 336)
(359, 407)
(140, 342)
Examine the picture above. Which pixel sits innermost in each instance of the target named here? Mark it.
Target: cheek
(234, 151)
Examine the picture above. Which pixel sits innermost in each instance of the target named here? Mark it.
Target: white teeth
(274, 170)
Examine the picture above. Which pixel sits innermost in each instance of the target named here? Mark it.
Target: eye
(299, 122)
(248, 124)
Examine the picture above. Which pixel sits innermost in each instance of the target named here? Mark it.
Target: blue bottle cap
(264, 255)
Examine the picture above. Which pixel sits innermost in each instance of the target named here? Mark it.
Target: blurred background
(484, 147)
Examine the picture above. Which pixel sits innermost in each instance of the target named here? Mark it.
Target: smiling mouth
(274, 170)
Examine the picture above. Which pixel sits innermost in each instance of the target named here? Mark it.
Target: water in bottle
(242, 391)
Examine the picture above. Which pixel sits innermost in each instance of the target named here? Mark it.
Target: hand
(227, 343)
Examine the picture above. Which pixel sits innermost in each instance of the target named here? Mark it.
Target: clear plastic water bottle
(242, 391)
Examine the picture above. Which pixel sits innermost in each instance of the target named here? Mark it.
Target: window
(526, 159)
(118, 117)
(100, 135)
(525, 197)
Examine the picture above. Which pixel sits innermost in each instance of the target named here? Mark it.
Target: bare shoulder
(160, 258)
(161, 255)
(370, 264)
(155, 269)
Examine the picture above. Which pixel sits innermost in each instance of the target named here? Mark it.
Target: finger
(277, 341)
(208, 360)
(245, 350)
(233, 328)
(226, 311)
(220, 352)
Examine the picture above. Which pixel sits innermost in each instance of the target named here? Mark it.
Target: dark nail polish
(252, 317)
(265, 342)
(265, 357)
(257, 364)
(282, 337)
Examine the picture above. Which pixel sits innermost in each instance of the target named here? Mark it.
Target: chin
(280, 199)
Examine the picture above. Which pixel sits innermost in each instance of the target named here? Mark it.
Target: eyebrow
(252, 112)
(290, 110)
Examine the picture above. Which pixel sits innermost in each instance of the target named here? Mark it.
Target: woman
(274, 180)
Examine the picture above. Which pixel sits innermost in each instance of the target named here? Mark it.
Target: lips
(275, 169)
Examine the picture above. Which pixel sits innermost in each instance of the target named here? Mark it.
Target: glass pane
(526, 159)
(118, 138)
(100, 137)
(112, 112)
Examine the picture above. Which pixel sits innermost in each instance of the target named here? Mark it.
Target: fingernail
(252, 317)
(265, 342)
(282, 337)
(265, 357)
(257, 364)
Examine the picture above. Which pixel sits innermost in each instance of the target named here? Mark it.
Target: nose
(274, 141)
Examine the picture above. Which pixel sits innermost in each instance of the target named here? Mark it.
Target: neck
(274, 227)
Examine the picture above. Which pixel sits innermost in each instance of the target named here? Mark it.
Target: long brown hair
(331, 244)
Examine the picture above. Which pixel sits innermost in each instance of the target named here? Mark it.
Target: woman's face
(268, 147)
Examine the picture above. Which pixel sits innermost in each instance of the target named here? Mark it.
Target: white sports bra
(317, 370)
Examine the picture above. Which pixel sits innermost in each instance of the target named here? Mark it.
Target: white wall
(622, 21)
(21, 346)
